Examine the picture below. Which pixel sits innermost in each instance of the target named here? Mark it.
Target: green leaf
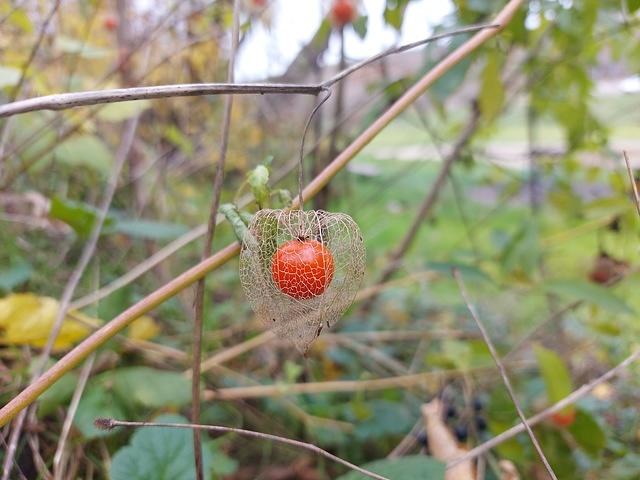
(57, 394)
(411, 467)
(625, 468)
(633, 5)
(360, 26)
(394, 13)
(383, 418)
(150, 387)
(160, 453)
(177, 138)
(232, 215)
(150, 229)
(451, 80)
(97, 402)
(14, 275)
(221, 464)
(34, 131)
(258, 179)
(85, 151)
(492, 91)
(20, 18)
(590, 293)
(79, 216)
(116, 112)
(465, 354)
(587, 433)
(78, 47)
(9, 76)
(521, 253)
(556, 376)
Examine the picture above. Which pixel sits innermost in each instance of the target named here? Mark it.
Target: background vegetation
(519, 145)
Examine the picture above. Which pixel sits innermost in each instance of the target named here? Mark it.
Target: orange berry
(302, 268)
(343, 12)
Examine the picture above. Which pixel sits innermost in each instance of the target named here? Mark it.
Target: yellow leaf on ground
(27, 319)
(143, 328)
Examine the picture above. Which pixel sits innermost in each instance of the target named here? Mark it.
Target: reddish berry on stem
(607, 269)
(110, 22)
(302, 268)
(343, 12)
(564, 418)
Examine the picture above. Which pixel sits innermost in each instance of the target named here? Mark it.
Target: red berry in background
(110, 22)
(607, 269)
(302, 268)
(564, 418)
(343, 12)
(259, 3)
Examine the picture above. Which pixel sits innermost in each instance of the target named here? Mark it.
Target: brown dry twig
(634, 186)
(206, 251)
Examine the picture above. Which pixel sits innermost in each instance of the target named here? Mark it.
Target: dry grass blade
(632, 179)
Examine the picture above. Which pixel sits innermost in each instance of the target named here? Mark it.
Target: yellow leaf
(143, 328)
(27, 319)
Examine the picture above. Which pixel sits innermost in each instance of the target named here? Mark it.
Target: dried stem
(98, 338)
(58, 457)
(327, 94)
(206, 252)
(556, 407)
(276, 390)
(503, 372)
(109, 423)
(632, 179)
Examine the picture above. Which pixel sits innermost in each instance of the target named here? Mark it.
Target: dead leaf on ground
(27, 319)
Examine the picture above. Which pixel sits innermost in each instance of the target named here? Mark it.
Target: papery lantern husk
(301, 319)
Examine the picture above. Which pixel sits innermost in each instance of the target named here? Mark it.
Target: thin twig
(58, 457)
(404, 48)
(62, 101)
(327, 94)
(98, 338)
(277, 390)
(207, 249)
(556, 407)
(110, 423)
(503, 372)
(632, 179)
